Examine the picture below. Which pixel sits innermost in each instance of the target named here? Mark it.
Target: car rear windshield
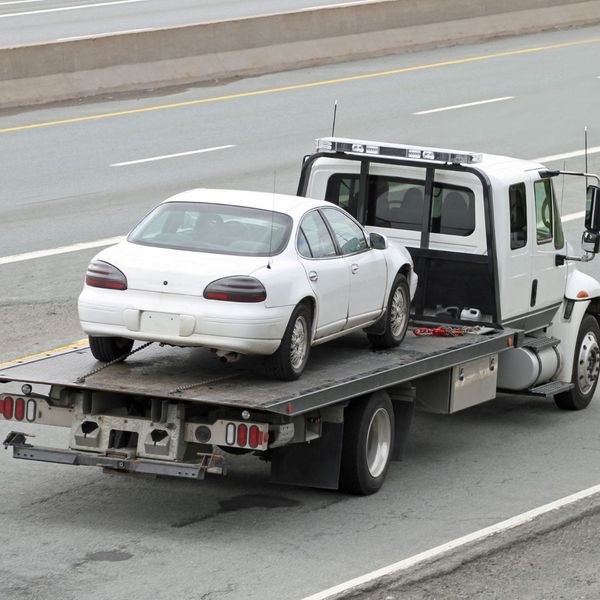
(214, 228)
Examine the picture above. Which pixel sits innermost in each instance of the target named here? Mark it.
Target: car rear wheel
(289, 360)
(108, 349)
(396, 317)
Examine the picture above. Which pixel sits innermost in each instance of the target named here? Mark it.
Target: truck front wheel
(107, 349)
(368, 442)
(586, 367)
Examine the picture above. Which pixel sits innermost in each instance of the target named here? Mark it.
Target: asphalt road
(76, 533)
(35, 21)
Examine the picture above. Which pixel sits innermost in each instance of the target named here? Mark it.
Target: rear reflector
(242, 435)
(7, 409)
(19, 409)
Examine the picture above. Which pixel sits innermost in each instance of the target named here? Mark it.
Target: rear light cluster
(19, 409)
(104, 275)
(245, 436)
(236, 289)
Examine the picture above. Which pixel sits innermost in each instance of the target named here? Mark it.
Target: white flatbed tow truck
(495, 279)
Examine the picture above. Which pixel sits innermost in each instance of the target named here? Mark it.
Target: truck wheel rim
(398, 312)
(379, 439)
(588, 364)
(298, 346)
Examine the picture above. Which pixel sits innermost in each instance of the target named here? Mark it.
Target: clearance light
(582, 294)
(397, 150)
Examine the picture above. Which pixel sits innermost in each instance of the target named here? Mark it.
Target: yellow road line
(303, 86)
(73, 346)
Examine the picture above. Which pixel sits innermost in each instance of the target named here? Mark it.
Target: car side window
(349, 236)
(314, 240)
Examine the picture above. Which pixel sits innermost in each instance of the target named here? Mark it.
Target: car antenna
(334, 115)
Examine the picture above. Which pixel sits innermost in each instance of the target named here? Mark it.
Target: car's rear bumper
(183, 321)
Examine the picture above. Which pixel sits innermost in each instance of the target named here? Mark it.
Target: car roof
(264, 200)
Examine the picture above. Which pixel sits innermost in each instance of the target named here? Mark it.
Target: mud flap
(315, 464)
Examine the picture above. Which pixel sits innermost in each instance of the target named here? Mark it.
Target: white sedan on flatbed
(246, 273)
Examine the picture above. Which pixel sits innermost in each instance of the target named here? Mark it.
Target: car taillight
(104, 275)
(236, 289)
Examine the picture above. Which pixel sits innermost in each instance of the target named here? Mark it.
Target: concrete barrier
(249, 46)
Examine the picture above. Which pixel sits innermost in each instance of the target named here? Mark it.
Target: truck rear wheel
(289, 360)
(396, 316)
(107, 349)
(586, 367)
(368, 442)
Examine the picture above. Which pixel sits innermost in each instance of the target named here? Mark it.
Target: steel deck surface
(336, 371)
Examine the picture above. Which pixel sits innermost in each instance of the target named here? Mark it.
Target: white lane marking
(19, 2)
(439, 551)
(165, 156)
(5, 260)
(455, 106)
(573, 154)
(64, 8)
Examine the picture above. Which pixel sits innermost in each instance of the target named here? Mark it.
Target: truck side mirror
(590, 242)
(378, 241)
(592, 209)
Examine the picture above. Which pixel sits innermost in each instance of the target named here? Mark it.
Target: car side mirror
(592, 209)
(590, 242)
(378, 241)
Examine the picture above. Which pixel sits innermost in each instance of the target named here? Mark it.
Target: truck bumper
(206, 463)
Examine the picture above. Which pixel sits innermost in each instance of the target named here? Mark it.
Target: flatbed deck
(336, 371)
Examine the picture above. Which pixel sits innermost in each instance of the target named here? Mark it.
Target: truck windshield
(214, 228)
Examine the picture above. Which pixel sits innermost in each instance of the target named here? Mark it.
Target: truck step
(539, 343)
(550, 389)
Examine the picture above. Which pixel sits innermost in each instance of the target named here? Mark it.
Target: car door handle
(313, 276)
(354, 268)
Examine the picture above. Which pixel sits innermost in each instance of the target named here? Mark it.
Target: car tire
(396, 316)
(368, 441)
(586, 367)
(107, 349)
(288, 361)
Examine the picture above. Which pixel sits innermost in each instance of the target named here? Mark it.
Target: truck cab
(485, 234)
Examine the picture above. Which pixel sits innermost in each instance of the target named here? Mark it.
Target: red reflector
(254, 431)
(242, 437)
(19, 409)
(1, 406)
(7, 409)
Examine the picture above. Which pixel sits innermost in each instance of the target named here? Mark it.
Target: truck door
(548, 279)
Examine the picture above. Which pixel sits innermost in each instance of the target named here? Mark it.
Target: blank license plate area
(157, 322)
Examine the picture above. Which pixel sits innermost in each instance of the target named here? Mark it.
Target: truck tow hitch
(206, 463)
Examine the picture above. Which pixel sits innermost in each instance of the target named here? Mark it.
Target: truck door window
(548, 224)
(517, 201)
(313, 239)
